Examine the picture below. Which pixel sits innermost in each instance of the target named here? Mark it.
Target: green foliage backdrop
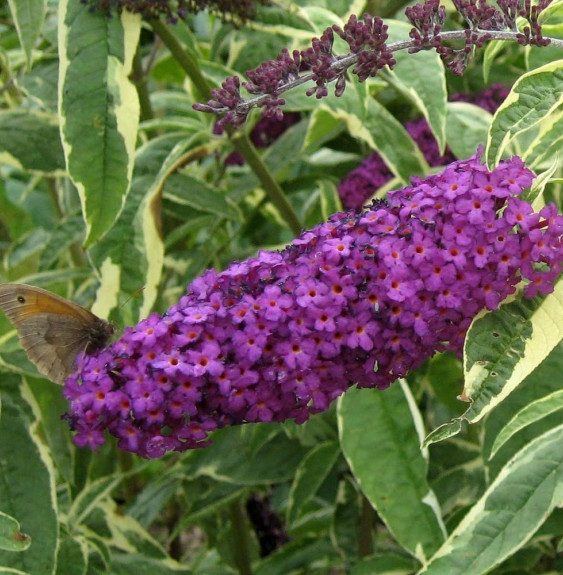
(116, 193)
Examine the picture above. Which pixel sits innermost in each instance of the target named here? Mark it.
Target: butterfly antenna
(134, 294)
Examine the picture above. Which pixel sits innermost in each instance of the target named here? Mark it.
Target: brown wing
(51, 329)
(19, 301)
(52, 344)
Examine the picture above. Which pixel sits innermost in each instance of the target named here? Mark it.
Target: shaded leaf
(380, 439)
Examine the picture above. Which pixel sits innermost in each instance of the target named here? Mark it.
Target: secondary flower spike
(357, 187)
(362, 298)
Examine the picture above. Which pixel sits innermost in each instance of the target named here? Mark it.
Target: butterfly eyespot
(21, 299)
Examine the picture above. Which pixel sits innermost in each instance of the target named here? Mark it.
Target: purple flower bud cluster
(366, 38)
(481, 16)
(368, 53)
(358, 186)
(361, 183)
(427, 19)
(362, 298)
(236, 11)
(532, 34)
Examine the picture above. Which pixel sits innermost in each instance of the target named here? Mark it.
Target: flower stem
(241, 540)
(366, 528)
(240, 141)
(182, 57)
(247, 150)
(140, 81)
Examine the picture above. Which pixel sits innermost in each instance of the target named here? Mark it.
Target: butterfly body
(51, 329)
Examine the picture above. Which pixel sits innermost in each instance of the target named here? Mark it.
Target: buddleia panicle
(362, 298)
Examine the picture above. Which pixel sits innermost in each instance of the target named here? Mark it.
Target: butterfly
(51, 329)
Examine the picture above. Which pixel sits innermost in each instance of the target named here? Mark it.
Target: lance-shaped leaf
(99, 108)
(533, 98)
(131, 255)
(501, 349)
(310, 475)
(428, 90)
(548, 143)
(380, 434)
(504, 347)
(28, 17)
(27, 481)
(527, 489)
(530, 414)
(466, 128)
(20, 127)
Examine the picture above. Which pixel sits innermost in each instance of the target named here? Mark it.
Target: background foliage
(110, 182)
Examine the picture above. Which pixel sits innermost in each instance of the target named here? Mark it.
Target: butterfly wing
(52, 343)
(51, 329)
(20, 301)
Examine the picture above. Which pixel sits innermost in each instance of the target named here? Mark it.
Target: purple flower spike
(362, 298)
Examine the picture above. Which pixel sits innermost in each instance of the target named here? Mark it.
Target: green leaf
(445, 431)
(153, 498)
(543, 381)
(125, 564)
(466, 128)
(125, 533)
(504, 346)
(509, 512)
(274, 459)
(380, 434)
(23, 253)
(20, 127)
(539, 184)
(52, 405)
(99, 108)
(130, 254)
(384, 563)
(296, 556)
(533, 98)
(319, 18)
(321, 204)
(324, 125)
(72, 557)
(67, 232)
(501, 349)
(11, 537)
(147, 220)
(211, 499)
(422, 78)
(547, 145)
(27, 488)
(90, 497)
(346, 524)
(382, 132)
(28, 17)
(310, 475)
(14, 218)
(190, 191)
(530, 414)
(40, 85)
(492, 49)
